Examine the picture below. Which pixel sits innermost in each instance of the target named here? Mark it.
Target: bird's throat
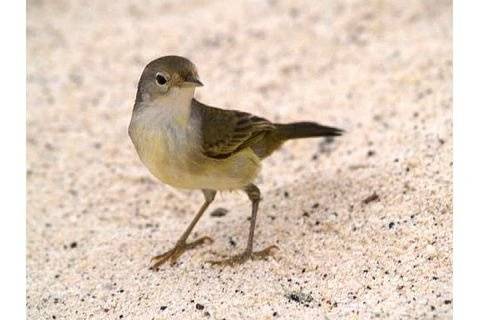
(176, 104)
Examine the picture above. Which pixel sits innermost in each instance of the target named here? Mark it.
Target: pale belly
(173, 156)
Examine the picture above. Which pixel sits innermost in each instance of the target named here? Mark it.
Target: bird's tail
(297, 130)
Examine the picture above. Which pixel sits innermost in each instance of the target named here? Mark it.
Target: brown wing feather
(225, 132)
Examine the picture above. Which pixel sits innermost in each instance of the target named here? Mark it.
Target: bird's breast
(164, 144)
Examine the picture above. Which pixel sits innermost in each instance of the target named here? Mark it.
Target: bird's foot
(245, 256)
(174, 253)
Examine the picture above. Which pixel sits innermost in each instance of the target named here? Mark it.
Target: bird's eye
(161, 80)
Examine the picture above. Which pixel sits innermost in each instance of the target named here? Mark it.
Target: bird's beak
(192, 81)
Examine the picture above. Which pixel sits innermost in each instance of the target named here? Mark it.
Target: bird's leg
(181, 246)
(254, 195)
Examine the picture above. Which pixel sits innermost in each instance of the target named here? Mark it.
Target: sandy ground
(382, 70)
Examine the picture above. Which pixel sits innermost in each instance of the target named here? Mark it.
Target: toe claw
(243, 257)
(207, 239)
(267, 251)
(176, 252)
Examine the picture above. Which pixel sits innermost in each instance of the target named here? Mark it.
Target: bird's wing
(225, 132)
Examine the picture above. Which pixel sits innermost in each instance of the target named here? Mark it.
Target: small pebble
(373, 197)
(219, 212)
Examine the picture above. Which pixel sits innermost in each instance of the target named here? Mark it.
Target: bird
(190, 145)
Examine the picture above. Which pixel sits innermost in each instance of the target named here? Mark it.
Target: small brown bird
(189, 145)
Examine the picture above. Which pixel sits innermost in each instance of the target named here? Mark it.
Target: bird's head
(168, 76)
